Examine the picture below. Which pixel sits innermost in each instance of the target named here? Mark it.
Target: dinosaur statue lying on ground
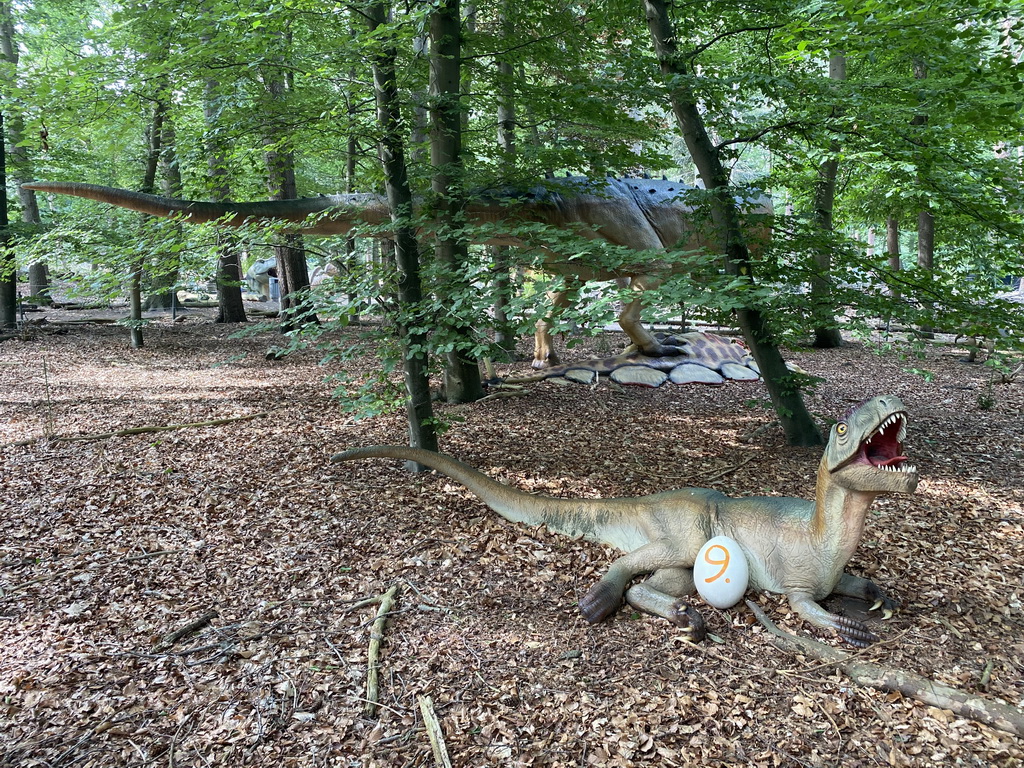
(795, 547)
(705, 358)
(641, 214)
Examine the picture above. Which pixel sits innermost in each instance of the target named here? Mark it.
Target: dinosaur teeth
(908, 469)
(896, 418)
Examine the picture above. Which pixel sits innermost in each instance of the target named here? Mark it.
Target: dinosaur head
(865, 448)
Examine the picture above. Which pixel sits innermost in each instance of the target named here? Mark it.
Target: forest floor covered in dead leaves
(197, 597)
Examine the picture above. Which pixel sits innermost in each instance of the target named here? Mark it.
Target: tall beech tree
(19, 160)
(391, 147)
(462, 373)
(826, 332)
(292, 267)
(797, 423)
(8, 265)
(228, 276)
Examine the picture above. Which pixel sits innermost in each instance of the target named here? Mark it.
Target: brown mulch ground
(107, 546)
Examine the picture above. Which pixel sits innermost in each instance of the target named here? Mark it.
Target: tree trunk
(20, 163)
(228, 276)
(892, 243)
(462, 374)
(162, 282)
(351, 263)
(797, 423)
(419, 408)
(504, 337)
(925, 219)
(154, 139)
(826, 333)
(8, 267)
(925, 239)
(892, 250)
(292, 269)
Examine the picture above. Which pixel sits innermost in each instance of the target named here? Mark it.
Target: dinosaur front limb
(865, 589)
(854, 632)
(664, 594)
(605, 597)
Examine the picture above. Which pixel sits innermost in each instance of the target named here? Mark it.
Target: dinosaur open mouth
(883, 448)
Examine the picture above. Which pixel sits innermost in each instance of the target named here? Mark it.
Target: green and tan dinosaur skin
(641, 214)
(794, 547)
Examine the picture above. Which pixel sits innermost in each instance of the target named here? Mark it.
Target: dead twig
(986, 675)
(189, 629)
(1003, 717)
(373, 656)
(434, 732)
(728, 470)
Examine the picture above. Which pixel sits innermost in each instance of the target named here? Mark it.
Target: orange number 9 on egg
(721, 557)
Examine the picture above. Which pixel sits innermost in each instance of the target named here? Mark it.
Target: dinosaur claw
(688, 618)
(854, 632)
(888, 606)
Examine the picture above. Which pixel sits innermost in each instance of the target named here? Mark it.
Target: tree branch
(758, 135)
(718, 38)
(1003, 717)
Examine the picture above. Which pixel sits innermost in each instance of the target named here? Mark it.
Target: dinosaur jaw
(879, 464)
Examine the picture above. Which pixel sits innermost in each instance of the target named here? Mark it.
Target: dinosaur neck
(839, 513)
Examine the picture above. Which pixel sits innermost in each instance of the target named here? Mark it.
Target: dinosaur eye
(841, 429)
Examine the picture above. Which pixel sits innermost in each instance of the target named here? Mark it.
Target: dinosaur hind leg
(605, 597)
(544, 355)
(632, 325)
(664, 595)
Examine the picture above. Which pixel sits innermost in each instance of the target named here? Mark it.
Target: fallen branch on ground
(1003, 717)
(434, 732)
(373, 657)
(728, 470)
(189, 629)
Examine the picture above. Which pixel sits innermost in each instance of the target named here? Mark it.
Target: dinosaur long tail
(344, 209)
(601, 520)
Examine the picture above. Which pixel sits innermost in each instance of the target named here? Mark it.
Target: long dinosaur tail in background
(344, 209)
(592, 519)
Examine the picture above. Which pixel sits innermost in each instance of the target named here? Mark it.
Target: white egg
(721, 572)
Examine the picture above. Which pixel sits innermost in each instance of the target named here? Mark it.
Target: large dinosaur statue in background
(641, 214)
(795, 547)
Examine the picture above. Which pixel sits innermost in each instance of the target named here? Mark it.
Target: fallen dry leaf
(108, 546)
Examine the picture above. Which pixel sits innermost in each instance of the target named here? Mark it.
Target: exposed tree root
(1004, 717)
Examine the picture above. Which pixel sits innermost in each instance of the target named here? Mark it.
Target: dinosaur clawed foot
(854, 632)
(688, 618)
(544, 362)
(888, 607)
(600, 602)
(880, 601)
